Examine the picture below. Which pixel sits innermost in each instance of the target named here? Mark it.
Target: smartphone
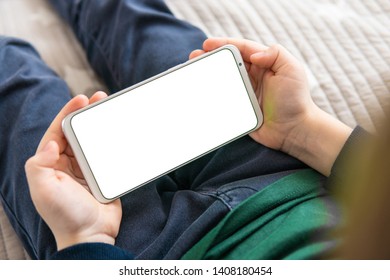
(152, 128)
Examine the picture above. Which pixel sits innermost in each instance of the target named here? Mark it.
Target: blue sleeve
(92, 251)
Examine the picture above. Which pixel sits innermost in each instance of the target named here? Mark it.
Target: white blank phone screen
(146, 132)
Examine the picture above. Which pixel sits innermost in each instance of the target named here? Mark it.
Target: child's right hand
(292, 122)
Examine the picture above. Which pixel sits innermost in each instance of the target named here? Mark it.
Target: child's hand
(280, 85)
(292, 122)
(60, 192)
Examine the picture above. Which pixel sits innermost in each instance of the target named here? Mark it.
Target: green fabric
(288, 219)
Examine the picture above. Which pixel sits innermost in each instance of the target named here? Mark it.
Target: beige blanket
(345, 45)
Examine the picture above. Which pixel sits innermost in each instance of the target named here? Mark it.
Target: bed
(344, 44)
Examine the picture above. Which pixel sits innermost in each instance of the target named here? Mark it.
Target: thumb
(273, 58)
(40, 167)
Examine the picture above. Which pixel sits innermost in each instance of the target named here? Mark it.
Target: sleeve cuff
(358, 138)
(92, 251)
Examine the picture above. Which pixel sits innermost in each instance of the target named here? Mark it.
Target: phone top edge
(233, 49)
(248, 84)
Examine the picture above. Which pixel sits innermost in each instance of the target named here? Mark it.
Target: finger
(273, 58)
(40, 167)
(54, 132)
(97, 96)
(196, 53)
(246, 47)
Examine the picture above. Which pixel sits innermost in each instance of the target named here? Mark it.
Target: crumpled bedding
(344, 44)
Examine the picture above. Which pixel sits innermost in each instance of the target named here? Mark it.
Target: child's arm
(292, 122)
